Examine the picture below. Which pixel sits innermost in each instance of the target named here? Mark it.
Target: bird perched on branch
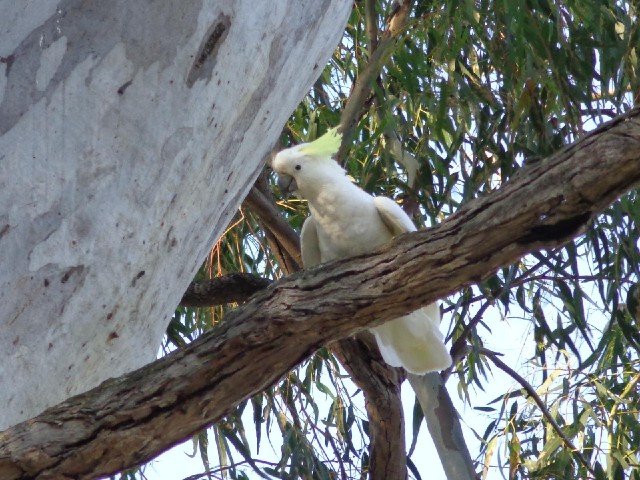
(346, 221)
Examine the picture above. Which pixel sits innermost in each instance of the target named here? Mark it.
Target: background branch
(541, 405)
(231, 288)
(444, 427)
(273, 221)
(352, 111)
(380, 384)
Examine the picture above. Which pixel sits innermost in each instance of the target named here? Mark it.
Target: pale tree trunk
(129, 134)
(444, 426)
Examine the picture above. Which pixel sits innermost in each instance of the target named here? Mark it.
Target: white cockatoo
(345, 221)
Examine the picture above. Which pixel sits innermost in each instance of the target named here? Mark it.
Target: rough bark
(230, 288)
(129, 134)
(381, 385)
(130, 419)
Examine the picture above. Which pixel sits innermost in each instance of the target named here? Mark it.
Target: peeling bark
(130, 419)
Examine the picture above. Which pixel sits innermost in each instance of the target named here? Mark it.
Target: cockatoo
(345, 221)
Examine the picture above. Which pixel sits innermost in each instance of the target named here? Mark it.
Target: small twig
(336, 452)
(545, 412)
(276, 223)
(222, 468)
(581, 278)
(457, 349)
(614, 410)
(321, 94)
(460, 345)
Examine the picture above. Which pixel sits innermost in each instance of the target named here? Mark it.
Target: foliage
(473, 90)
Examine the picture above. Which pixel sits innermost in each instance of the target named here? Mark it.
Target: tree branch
(230, 288)
(538, 401)
(276, 224)
(460, 347)
(381, 385)
(129, 420)
(371, 24)
(396, 23)
(444, 426)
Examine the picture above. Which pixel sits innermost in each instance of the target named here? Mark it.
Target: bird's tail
(414, 342)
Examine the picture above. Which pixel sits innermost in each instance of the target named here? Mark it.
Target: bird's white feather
(396, 220)
(414, 341)
(309, 244)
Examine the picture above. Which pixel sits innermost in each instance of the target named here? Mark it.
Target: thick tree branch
(128, 420)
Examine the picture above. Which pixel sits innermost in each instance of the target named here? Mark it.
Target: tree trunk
(131, 419)
(129, 134)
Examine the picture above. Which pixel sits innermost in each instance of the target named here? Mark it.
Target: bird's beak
(287, 184)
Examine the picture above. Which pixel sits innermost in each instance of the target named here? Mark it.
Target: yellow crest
(328, 144)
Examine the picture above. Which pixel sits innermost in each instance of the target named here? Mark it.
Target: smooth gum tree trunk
(129, 134)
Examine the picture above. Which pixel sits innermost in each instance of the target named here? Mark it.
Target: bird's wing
(309, 244)
(413, 341)
(396, 220)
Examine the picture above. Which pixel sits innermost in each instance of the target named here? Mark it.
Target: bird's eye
(298, 167)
